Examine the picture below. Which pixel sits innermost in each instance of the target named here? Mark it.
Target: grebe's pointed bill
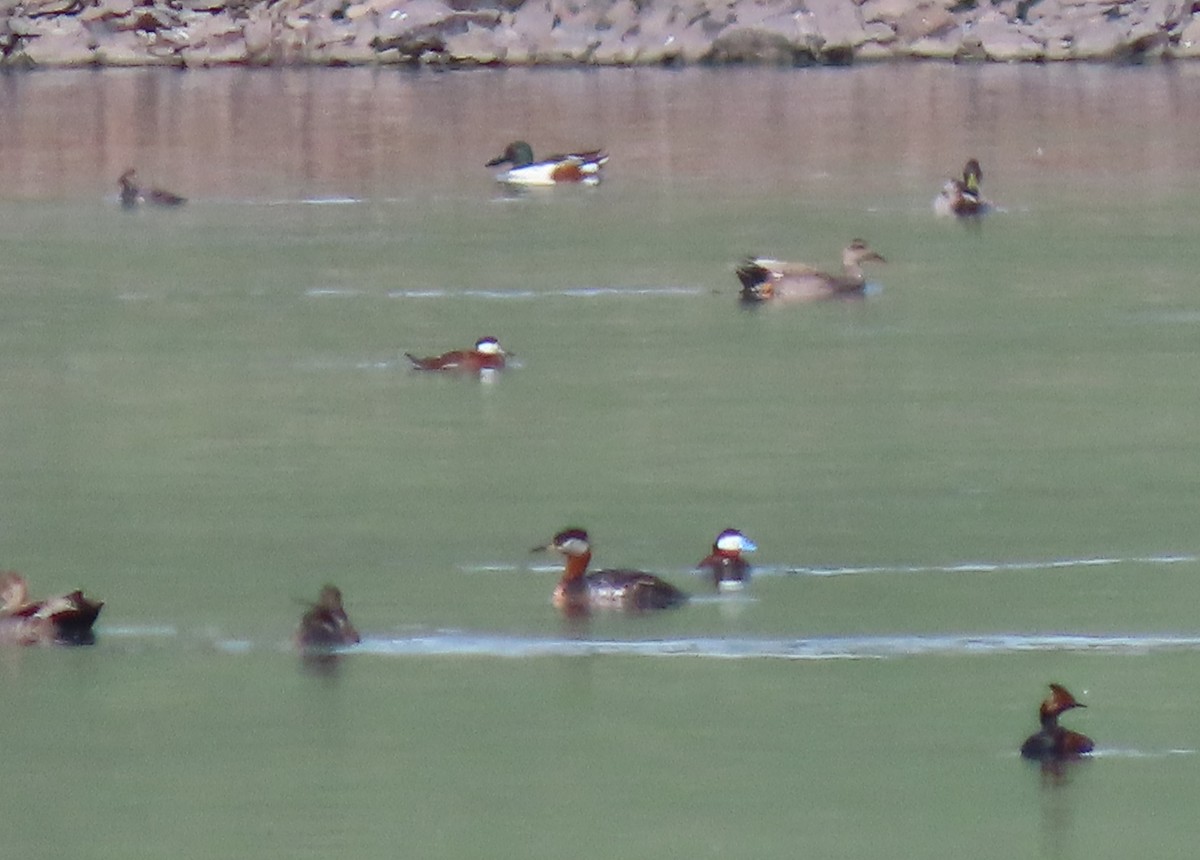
(732, 540)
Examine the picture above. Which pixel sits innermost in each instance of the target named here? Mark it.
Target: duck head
(518, 154)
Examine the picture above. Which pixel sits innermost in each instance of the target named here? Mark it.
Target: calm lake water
(979, 480)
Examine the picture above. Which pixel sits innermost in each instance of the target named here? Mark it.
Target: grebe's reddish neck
(576, 567)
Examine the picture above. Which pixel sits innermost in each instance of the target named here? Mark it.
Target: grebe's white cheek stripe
(573, 546)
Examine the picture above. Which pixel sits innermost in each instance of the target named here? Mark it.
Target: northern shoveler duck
(579, 591)
(764, 279)
(64, 620)
(728, 568)
(581, 167)
(326, 625)
(963, 197)
(132, 194)
(1053, 743)
(487, 355)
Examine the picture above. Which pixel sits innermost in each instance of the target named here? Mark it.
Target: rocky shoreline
(464, 33)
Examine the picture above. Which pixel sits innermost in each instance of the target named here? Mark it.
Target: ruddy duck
(763, 279)
(325, 625)
(1053, 743)
(579, 591)
(487, 355)
(581, 167)
(64, 620)
(963, 197)
(132, 195)
(729, 570)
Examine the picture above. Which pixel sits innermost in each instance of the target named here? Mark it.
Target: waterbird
(765, 279)
(325, 624)
(584, 167)
(579, 591)
(725, 564)
(1053, 743)
(486, 355)
(963, 197)
(132, 194)
(64, 619)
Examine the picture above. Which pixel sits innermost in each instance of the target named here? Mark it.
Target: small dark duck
(764, 279)
(579, 591)
(486, 355)
(326, 625)
(132, 194)
(573, 167)
(1053, 743)
(726, 563)
(963, 198)
(63, 620)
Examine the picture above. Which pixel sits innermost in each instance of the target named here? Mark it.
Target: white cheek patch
(573, 546)
(736, 542)
(488, 347)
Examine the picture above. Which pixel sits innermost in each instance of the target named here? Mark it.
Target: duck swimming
(62, 620)
(326, 625)
(582, 167)
(486, 355)
(579, 591)
(963, 197)
(1053, 743)
(132, 195)
(729, 570)
(765, 279)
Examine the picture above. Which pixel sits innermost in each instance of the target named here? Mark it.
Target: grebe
(581, 167)
(729, 570)
(132, 195)
(486, 355)
(1053, 743)
(64, 620)
(764, 279)
(325, 625)
(578, 591)
(963, 197)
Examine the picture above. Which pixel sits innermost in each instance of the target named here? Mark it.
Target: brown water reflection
(260, 133)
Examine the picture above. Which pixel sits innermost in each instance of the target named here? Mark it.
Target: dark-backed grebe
(487, 355)
(584, 167)
(326, 625)
(1053, 743)
(764, 279)
(578, 590)
(728, 568)
(132, 194)
(65, 620)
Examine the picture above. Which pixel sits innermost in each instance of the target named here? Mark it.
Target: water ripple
(460, 644)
